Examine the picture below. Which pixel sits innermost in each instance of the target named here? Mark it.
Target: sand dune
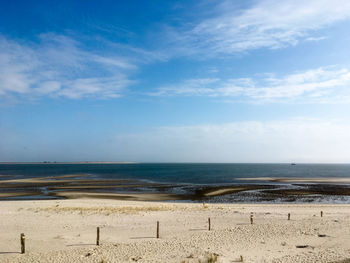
(65, 231)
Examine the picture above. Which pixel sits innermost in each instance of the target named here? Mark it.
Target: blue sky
(175, 81)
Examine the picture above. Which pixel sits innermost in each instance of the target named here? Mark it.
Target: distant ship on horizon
(293, 164)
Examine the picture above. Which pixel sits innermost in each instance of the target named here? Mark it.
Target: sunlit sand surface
(65, 231)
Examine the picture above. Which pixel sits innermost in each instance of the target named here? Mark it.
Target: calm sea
(192, 173)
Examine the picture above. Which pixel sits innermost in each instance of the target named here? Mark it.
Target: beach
(65, 231)
(60, 208)
(252, 190)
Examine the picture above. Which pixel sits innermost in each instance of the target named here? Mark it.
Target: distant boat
(293, 164)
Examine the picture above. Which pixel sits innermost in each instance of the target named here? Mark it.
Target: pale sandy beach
(65, 231)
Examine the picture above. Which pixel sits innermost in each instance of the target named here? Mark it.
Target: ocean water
(189, 173)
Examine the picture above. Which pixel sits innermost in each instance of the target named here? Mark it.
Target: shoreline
(82, 186)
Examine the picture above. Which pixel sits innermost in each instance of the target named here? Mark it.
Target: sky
(175, 81)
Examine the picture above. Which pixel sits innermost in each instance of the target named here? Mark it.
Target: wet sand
(83, 186)
(298, 180)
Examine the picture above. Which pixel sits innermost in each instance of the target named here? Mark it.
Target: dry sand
(65, 231)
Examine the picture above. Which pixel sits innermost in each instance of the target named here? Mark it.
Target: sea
(190, 173)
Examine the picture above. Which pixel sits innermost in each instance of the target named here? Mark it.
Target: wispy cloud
(60, 66)
(317, 85)
(265, 24)
(200, 87)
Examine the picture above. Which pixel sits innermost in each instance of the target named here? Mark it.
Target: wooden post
(23, 244)
(251, 219)
(98, 237)
(209, 223)
(321, 213)
(157, 229)
(288, 216)
(241, 258)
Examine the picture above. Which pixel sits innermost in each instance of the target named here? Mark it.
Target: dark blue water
(177, 173)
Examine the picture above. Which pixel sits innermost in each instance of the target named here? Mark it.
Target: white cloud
(265, 24)
(16, 63)
(104, 87)
(296, 140)
(60, 66)
(188, 87)
(316, 85)
(48, 87)
(113, 62)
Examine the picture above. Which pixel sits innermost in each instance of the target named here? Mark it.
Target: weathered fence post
(288, 216)
(209, 224)
(23, 245)
(157, 229)
(98, 237)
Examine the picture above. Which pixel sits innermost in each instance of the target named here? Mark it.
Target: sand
(332, 180)
(65, 231)
(224, 191)
(330, 190)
